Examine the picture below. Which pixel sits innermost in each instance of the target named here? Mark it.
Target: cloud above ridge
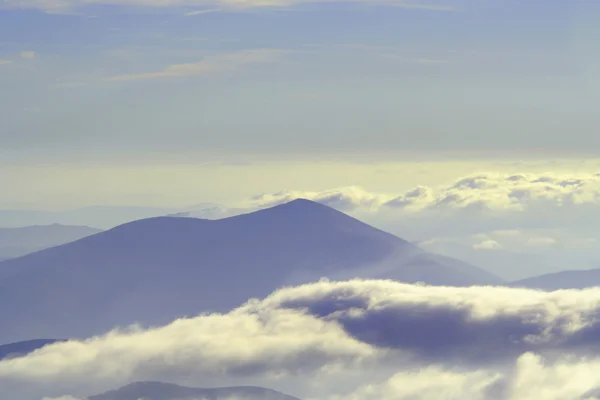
(494, 192)
(476, 340)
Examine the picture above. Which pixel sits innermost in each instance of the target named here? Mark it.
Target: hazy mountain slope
(22, 348)
(562, 280)
(155, 270)
(99, 216)
(166, 391)
(16, 242)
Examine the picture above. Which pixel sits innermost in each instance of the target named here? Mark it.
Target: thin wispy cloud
(27, 55)
(202, 12)
(4, 62)
(220, 62)
(430, 7)
(59, 6)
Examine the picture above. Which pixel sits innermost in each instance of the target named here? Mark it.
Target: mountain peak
(304, 205)
(304, 209)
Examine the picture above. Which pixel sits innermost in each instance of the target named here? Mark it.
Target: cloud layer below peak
(468, 343)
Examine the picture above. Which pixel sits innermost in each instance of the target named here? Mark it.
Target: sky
(173, 103)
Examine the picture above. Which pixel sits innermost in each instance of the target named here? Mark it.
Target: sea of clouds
(359, 339)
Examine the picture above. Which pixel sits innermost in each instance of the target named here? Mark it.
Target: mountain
(580, 279)
(23, 348)
(16, 242)
(154, 270)
(167, 391)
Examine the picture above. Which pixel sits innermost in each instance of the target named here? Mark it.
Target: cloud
(428, 383)
(454, 341)
(487, 245)
(202, 12)
(56, 6)
(27, 55)
(531, 377)
(212, 63)
(345, 199)
(4, 62)
(421, 6)
(492, 192)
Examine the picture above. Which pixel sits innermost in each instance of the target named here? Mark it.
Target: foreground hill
(16, 242)
(154, 270)
(166, 391)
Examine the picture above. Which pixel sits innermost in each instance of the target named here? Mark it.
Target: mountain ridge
(154, 270)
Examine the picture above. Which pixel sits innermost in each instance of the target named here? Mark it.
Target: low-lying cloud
(414, 340)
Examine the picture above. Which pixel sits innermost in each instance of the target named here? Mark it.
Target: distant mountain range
(16, 242)
(154, 270)
(166, 391)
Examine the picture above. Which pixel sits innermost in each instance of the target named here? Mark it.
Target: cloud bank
(459, 343)
(494, 192)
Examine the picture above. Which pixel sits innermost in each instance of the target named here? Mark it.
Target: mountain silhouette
(154, 270)
(167, 391)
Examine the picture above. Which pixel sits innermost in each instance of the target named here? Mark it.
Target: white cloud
(469, 342)
(228, 61)
(425, 6)
(202, 12)
(428, 383)
(4, 62)
(493, 192)
(487, 245)
(541, 241)
(531, 378)
(27, 55)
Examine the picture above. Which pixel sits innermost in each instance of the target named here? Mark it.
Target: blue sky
(124, 81)
(462, 74)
